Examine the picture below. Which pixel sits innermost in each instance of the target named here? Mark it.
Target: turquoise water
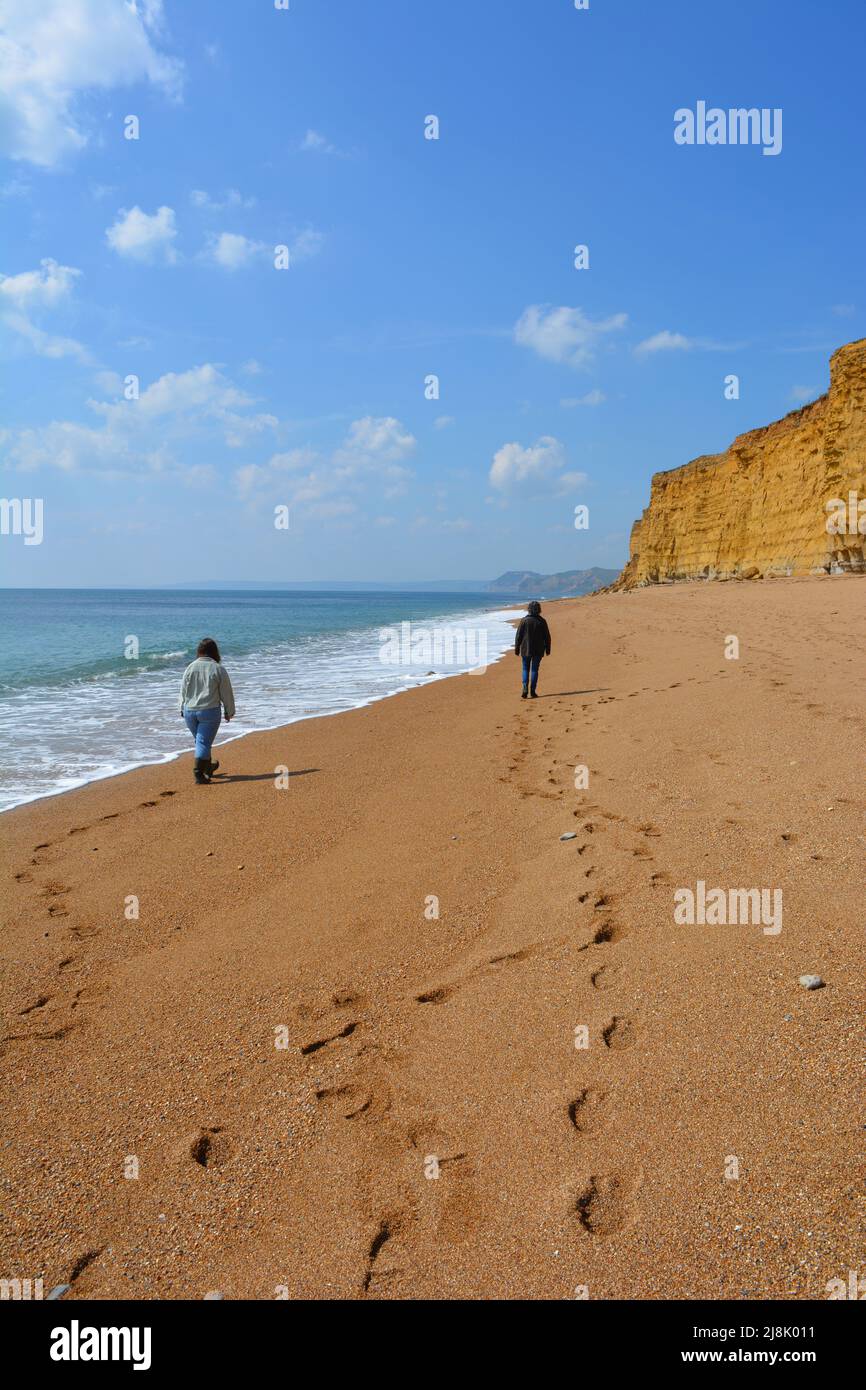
(77, 704)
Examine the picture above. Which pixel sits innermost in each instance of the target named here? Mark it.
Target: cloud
(443, 421)
(231, 199)
(232, 251)
(29, 292)
(46, 286)
(801, 394)
(306, 244)
(142, 236)
(147, 435)
(594, 397)
(666, 341)
(316, 143)
(563, 334)
(53, 52)
(513, 464)
(371, 455)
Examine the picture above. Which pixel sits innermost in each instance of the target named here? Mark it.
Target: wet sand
(329, 1091)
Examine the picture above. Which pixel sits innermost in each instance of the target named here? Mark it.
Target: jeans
(203, 725)
(530, 667)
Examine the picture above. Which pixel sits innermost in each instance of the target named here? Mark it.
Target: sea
(89, 678)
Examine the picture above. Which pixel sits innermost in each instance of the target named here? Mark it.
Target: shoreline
(171, 757)
(328, 985)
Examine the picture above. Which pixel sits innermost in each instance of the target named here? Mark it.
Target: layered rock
(765, 506)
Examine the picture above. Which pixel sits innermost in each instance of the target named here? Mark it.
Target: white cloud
(232, 251)
(142, 236)
(665, 341)
(34, 290)
(563, 334)
(801, 394)
(594, 397)
(252, 367)
(145, 436)
(443, 421)
(567, 482)
(316, 143)
(371, 455)
(53, 52)
(514, 464)
(231, 199)
(306, 244)
(46, 286)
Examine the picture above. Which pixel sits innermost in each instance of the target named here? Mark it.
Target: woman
(205, 686)
(532, 642)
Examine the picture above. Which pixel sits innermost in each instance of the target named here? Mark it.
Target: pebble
(213, 1295)
(57, 1292)
(240, 866)
(569, 835)
(811, 982)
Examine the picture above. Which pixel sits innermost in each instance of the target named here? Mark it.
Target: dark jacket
(532, 637)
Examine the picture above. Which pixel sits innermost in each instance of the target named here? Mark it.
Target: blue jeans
(203, 725)
(530, 668)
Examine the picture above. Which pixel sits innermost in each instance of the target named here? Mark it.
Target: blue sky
(409, 257)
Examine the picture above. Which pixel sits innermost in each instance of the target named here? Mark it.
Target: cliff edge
(786, 499)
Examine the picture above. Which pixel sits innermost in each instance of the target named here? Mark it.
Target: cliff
(760, 508)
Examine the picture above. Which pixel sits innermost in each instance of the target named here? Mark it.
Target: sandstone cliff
(761, 508)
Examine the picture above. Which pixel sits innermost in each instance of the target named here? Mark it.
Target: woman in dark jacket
(532, 642)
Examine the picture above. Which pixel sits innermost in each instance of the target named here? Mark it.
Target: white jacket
(206, 685)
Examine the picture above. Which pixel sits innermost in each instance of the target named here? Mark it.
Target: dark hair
(534, 608)
(208, 647)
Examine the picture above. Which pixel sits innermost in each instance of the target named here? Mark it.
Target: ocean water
(75, 707)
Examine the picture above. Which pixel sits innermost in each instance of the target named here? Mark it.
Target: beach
(375, 1030)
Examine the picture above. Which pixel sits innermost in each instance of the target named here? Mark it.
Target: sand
(288, 1044)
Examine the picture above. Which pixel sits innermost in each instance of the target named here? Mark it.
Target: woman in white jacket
(204, 692)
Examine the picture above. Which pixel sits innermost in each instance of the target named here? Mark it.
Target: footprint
(524, 953)
(608, 933)
(587, 1111)
(389, 1226)
(168, 794)
(40, 1004)
(618, 1034)
(353, 1102)
(435, 996)
(604, 1205)
(324, 1042)
(605, 977)
(211, 1148)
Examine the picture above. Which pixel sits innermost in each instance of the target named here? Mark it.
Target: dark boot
(532, 695)
(199, 769)
(525, 692)
(211, 768)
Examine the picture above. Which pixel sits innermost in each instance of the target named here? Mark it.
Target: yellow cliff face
(786, 499)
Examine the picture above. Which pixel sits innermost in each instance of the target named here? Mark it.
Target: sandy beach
(339, 1053)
